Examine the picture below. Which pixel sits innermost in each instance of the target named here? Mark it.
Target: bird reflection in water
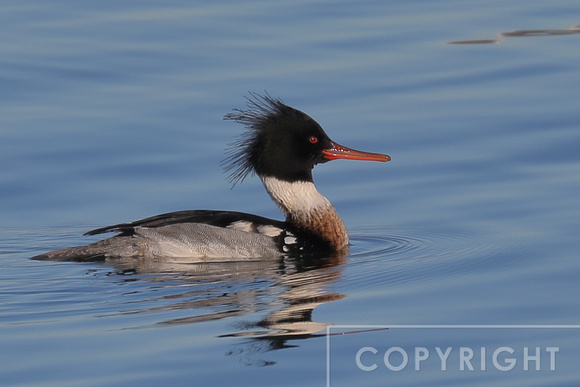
(287, 290)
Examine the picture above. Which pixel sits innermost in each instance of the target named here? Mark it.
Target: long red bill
(341, 152)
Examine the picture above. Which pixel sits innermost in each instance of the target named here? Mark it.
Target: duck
(281, 145)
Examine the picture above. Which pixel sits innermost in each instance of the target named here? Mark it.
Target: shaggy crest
(240, 160)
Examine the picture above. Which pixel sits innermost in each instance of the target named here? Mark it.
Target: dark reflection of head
(287, 290)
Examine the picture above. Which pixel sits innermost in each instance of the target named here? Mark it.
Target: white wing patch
(269, 230)
(289, 240)
(243, 225)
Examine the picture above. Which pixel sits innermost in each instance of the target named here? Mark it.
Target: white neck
(296, 197)
(304, 206)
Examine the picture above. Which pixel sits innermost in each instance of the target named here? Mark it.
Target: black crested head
(279, 141)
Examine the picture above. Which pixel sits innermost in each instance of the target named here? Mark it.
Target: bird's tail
(94, 252)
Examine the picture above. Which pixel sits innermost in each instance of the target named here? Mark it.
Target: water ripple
(413, 254)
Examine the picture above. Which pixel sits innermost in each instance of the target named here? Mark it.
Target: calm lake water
(464, 266)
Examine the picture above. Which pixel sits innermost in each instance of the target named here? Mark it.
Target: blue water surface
(112, 111)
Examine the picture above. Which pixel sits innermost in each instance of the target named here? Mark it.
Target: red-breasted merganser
(281, 145)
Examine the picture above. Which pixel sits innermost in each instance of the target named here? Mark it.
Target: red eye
(313, 140)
